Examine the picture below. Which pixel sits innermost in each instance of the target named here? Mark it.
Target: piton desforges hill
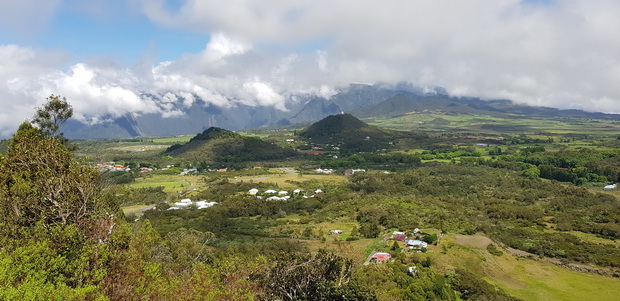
(216, 144)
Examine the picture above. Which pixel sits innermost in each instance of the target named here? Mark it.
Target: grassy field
(524, 278)
(173, 140)
(140, 148)
(171, 183)
(283, 180)
(491, 124)
(127, 210)
(176, 184)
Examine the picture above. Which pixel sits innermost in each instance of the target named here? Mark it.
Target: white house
(253, 191)
(609, 187)
(413, 270)
(283, 192)
(318, 191)
(270, 191)
(416, 244)
(183, 203)
(297, 191)
(204, 204)
(335, 232)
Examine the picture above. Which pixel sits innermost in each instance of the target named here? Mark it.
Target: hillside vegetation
(348, 132)
(506, 213)
(219, 145)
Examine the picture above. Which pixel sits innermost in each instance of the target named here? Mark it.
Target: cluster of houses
(111, 166)
(350, 172)
(194, 170)
(188, 171)
(187, 203)
(414, 244)
(282, 195)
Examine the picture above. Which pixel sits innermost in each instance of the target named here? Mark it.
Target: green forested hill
(348, 131)
(220, 145)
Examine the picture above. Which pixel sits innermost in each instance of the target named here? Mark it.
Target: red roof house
(381, 257)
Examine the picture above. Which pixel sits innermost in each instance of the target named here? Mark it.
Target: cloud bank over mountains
(561, 54)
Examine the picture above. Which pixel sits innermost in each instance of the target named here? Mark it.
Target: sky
(114, 57)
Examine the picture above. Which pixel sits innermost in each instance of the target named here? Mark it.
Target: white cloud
(531, 51)
(220, 47)
(264, 94)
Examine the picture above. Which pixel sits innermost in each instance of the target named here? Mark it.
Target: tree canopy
(41, 181)
(53, 115)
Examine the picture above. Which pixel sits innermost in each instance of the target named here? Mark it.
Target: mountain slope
(364, 101)
(348, 132)
(220, 145)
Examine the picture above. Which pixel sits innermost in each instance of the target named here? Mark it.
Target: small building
(253, 191)
(332, 232)
(318, 191)
(350, 172)
(297, 191)
(413, 270)
(270, 191)
(609, 187)
(416, 244)
(183, 203)
(380, 257)
(204, 204)
(398, 235)
(283, 192)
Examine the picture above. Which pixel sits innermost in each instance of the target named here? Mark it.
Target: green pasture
(175, 184)
(490, 124)
(524, 278)
(173, 140)
(283, 180)
(171, 183)
(127, 210)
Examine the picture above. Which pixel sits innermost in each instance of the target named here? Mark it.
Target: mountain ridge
(364, 101)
